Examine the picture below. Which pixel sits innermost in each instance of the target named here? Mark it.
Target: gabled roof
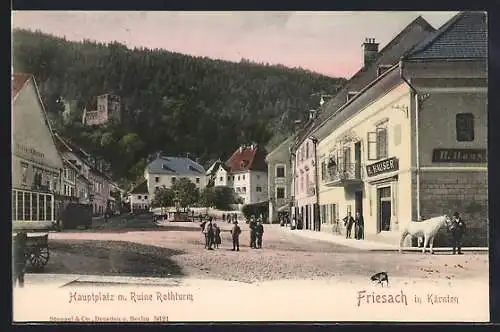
(465, 36)
(247, 158)
(141, 188)
(400, 45)
(214, 167)
(175, 166)
(19, 80)
(64, 144)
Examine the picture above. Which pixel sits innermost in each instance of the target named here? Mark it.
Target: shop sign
(383, 166)
(459, 156)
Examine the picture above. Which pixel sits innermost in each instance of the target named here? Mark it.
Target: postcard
(249, 166)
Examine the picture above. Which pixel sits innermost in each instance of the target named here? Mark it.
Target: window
(229, 178)
(347, 158)
(139, 196)
(244, 189)
(238, 177)
(258, 189)
(280, 171)
(465, 127)
(197, 180)
(280, 193)
(220, 179)
(378, 144)
(307, 150)
(145, 197)
(157, 179)
(381, 142)
(233, 177)
(243, 177)
(372, 146)
(24, 170)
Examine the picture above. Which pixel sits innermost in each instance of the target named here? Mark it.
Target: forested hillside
(170, 102)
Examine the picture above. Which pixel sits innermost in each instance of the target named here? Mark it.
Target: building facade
(412, 144)
(139, 198)
(279, 180)
(84, 179)
(304, 176)
(246, 172)
(36, 164)
(307, 189)
(164, 171)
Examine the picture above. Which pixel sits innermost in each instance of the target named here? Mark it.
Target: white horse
(426, 229)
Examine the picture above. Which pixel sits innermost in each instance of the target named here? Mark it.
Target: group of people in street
(256, 233)
(358, 223)
(212, 234)
(230, 217)
(213, 239)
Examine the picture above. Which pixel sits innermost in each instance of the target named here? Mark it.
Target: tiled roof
(465, 36)
(175, 165)
(247, 158)
(400, 45)
(18, 81)
(141, 188)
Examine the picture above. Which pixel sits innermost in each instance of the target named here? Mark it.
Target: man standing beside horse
(457, 229)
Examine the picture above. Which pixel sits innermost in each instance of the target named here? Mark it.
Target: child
(235, 232)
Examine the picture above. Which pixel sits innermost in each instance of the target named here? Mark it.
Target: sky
(325, 42)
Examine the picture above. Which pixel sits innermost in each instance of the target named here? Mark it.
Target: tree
(224, 197)
(185, 192)
(208, 197)
(164, 197)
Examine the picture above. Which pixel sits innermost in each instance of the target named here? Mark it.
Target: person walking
(348, 222)
(360, 225)
(457, 230)
(223, 217)
(235, 234)
(253, 233)
(260, 234)
(217, 238)
(208, 231)
(19, 259)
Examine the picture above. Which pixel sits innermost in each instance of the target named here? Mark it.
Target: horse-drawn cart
(33, 215)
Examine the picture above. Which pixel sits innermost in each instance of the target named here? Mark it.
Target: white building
(139, 198)
(245, 172)
(164, 171)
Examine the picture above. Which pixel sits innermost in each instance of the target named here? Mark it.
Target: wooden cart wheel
(38, 257)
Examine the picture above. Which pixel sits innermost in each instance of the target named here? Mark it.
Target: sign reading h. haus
(459, 156)
(384, 166)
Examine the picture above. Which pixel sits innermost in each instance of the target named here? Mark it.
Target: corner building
(412, 144)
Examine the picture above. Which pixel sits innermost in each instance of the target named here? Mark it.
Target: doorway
(307, 216)
(384, 209)
(358, 202)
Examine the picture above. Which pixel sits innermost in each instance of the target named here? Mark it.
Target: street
(176, 250)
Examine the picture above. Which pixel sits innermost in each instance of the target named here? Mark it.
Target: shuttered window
(381, 143)
(372, 146)
(465, 127)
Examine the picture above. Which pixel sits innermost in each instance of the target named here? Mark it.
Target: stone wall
(465, 192)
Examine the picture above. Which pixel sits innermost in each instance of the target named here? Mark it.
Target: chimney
(370, 50)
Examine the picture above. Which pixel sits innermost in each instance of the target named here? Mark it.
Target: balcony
(343, 175)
